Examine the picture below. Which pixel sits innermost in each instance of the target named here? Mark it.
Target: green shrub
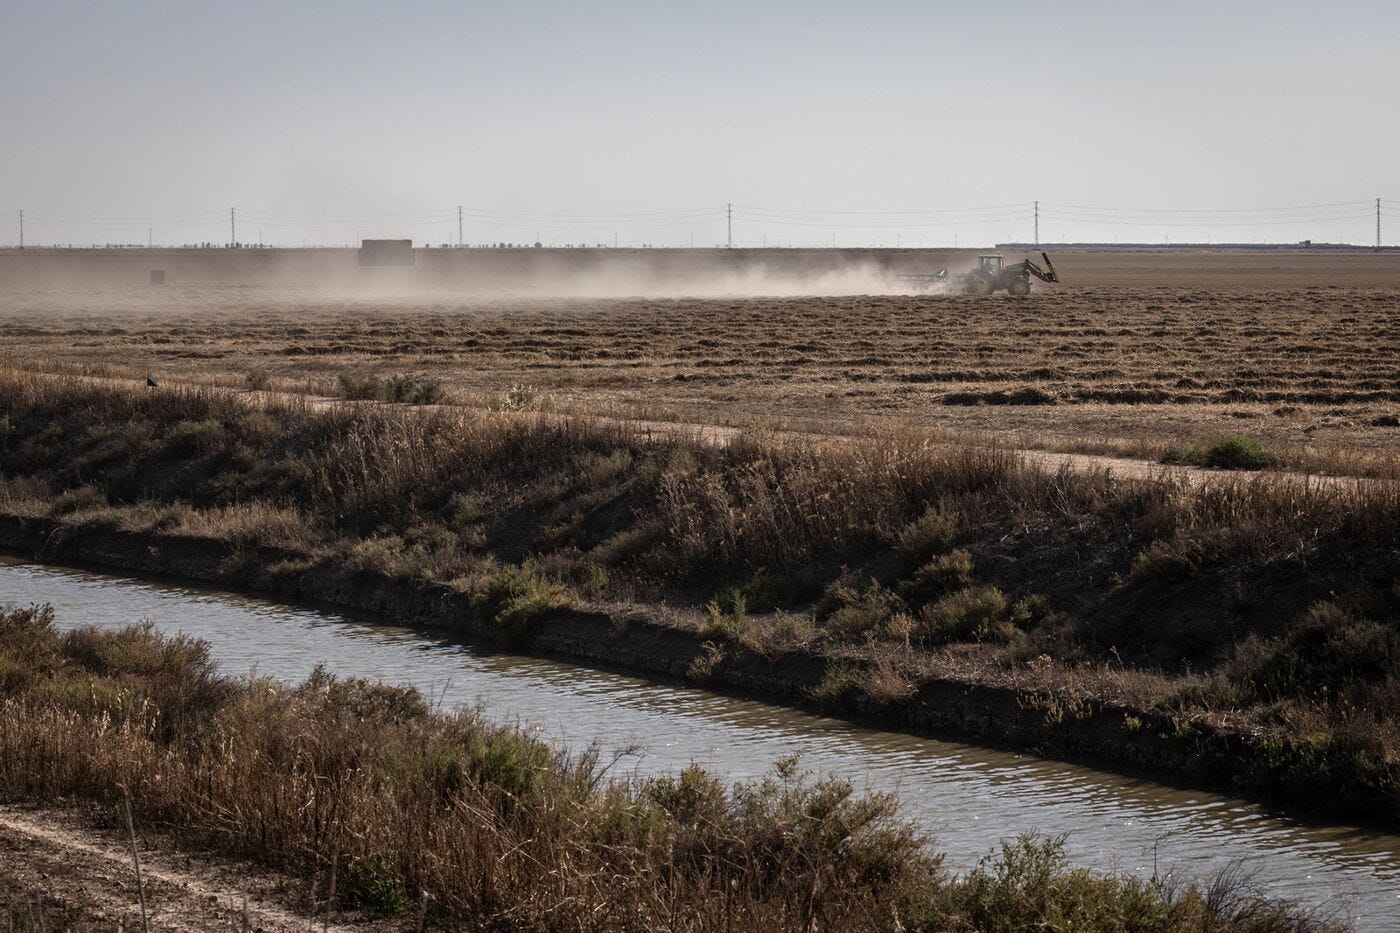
(759, 592)
(859, 613)
(1235, 452)
(356, 388)
(1029, 885)
(930, 533)
(944, 574)
(981, 613)
(1183, 456)
(838, 681)
(371, 886)
(1323, 655)
(727, 616)
(514, 599)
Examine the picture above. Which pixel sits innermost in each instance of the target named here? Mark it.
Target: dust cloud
(122, 279)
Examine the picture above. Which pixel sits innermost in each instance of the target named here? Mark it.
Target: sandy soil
(83, 878)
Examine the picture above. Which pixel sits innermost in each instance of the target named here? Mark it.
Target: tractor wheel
(978, 285)
(1018, 286)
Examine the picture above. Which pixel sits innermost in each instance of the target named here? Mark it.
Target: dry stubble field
(1135, 352)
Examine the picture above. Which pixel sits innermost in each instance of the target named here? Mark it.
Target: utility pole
(1378, 223)
(21, 229)
(1037, 223)
(459, 226)
(729, 220)
(149, 239)
(232, 230)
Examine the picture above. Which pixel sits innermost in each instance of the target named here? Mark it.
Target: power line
(1021, 215)
(1221, 222)
(1210, 210)
(953, 210)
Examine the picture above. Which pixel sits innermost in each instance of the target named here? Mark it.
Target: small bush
(357, 388)
(930, 533)
(521, 397)
(859, 613)
(889, 681)
(190, 438)
(413, 391)
(759, 592)
(727, 617)
(409, 390)
(1164, 561)
(1235, 452)
(980, 613)
(939, 577)
(514, 599)
(1029, 885)
(82, 499)
(1183, 456)
(838, 681)
(1325, 654)
(703, 665)
(372, 887)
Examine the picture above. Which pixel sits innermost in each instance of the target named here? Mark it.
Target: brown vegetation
(1190, 349)
(1265, 605)
(378, 805)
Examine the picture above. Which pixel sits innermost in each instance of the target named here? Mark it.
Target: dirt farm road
(54, 857)
(1120, 468)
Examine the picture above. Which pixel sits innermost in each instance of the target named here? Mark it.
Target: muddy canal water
(965, 797)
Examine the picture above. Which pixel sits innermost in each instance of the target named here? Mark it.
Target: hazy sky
(853, 120)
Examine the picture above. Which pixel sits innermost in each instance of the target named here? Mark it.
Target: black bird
(151, 382)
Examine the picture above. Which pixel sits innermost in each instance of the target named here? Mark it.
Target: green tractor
(993, 274)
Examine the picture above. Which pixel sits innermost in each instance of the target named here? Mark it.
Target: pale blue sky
(319, 111)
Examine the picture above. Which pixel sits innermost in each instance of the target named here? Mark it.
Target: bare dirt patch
(54, 864)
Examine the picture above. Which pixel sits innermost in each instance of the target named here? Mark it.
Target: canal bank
(1008, 713)
(965, 797)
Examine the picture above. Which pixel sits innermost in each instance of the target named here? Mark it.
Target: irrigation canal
(966, 797)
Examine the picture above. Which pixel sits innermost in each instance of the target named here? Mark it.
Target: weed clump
(409, 390)
(930, 533)
(1235, 452)
(1231, 452)
(515, 598)
(853, 613)
(978, 613)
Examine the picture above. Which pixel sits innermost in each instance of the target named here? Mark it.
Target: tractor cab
(990, 264)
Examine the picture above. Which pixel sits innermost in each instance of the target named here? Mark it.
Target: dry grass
(1110, 368)
(489, 828)
(1187, 597)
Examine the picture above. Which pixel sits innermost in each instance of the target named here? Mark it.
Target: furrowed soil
(1135, 353)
